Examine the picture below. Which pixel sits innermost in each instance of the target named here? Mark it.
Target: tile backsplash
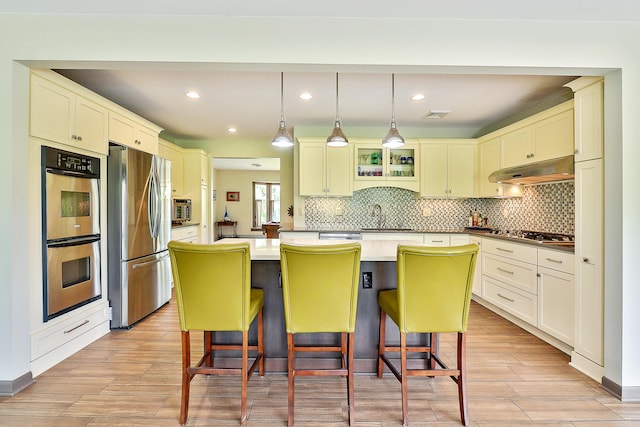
(548, 207)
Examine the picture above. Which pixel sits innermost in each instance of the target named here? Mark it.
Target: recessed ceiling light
(305, 96)
(418, 97)
(436, 114)
(192, 94)
(232, 130)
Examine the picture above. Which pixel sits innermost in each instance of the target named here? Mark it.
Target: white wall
(359, 44)
(241, 181)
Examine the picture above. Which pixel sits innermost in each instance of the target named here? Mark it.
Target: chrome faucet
(378, 208)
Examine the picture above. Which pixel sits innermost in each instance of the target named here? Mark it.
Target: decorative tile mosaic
(548, 207)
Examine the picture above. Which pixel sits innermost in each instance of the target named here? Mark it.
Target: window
(266, 203)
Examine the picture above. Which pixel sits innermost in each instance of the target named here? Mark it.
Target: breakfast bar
(377, 257)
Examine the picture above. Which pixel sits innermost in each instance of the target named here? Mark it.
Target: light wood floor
(132, 378)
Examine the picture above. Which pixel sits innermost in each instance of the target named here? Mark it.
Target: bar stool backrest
(212, 285)
(434, 287)
(320, 286)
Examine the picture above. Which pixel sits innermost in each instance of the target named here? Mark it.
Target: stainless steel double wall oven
(70, 230)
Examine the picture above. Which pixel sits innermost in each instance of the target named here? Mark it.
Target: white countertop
(372, 250)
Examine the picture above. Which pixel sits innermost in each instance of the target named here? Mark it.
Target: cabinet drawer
(515, 273)
(50, 338)
(556, 260)
(436, 239)
(185, 234)
(523, 253)
(515, 301)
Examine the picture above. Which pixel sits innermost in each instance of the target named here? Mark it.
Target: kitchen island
(377, 257)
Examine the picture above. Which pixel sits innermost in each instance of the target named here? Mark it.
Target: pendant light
(393, 138)
(337, 137)
(282, 138)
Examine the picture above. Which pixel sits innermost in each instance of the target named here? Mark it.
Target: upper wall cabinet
(589, 117)
(173, 153)
(489, 162)
(376, 166)
(324, 171)
(544, 136)
(126, 130)
(59, 112)
(448, 168)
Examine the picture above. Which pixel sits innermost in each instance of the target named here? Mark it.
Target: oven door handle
(75, 174)
(73, 242)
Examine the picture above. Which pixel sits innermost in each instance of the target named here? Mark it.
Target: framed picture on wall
(233, 196)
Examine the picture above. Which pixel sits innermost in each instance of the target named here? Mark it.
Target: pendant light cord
(393, 97)
(337, 113)
(282, 96)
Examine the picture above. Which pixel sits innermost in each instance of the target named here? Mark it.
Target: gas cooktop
(541, 237)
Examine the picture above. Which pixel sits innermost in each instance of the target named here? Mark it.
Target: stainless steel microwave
(181, 211)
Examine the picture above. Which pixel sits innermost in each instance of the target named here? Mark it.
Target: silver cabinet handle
(585, 259)
(504, 271)
(505, 250)
(557, 261)
(508, 299)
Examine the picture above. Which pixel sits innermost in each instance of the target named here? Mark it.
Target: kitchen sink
(385, 229)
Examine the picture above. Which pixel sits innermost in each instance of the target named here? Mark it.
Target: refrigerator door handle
(146, 263)
(154, 200)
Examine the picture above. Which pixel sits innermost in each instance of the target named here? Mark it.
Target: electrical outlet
(426, 211)
(339, 211)
(367, 280)
(505, 213)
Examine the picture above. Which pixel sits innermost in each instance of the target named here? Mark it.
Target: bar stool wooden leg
(403, 378)
(350, 392)
(291, 373)
(208, 351)
(244, 373)
(261, 344)
(186, 377)
(381, 337)
(462, 378)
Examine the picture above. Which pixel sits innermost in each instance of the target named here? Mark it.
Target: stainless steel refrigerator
(139, 228)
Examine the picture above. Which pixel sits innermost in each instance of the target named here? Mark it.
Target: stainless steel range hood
(560, 169)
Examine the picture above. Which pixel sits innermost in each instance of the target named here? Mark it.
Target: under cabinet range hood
(560, 169)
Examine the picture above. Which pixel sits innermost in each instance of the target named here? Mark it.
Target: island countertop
(269, 249)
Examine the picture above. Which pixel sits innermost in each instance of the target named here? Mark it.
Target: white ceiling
(250, 101)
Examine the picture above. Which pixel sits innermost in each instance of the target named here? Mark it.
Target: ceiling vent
(436, 114)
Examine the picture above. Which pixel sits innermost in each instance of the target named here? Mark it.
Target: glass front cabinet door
(376, 166)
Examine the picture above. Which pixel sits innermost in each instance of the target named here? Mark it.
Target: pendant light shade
(337, 137)
(393, 138)
(282, 138)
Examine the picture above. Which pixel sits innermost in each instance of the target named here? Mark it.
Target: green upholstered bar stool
(433, 295)
(213, 293)
(320, 292)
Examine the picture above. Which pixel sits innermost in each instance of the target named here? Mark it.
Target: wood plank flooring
(132, 378)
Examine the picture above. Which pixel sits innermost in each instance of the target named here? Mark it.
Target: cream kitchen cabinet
(127, 130)
(196, 188)
(173, 153)
(186, 233)
(544, 136)
(509, 278)
(448, 168)
(324, 171)
(376, 166)
(489, 162)
(589, 117)
(556, 294)
(589, 290)
(59, 112)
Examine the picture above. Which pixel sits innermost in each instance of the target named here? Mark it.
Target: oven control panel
(60, 161)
